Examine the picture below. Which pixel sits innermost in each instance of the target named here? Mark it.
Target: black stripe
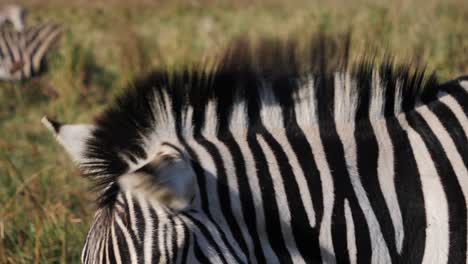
(200, 173)
(455, 198)
(166, 241)
(102, 251)
(156, 254)
(6, 37)
(227, 100)
(33, 33)
(453, 127)
(245, 195)
(223, 194)
(85, 251)
(309, 247)
(270, 207)
(367, 162)
(110, 248)
(459, 94)
(173, 240)
(344, 190)
(13, 45)
(409, 193)
(23, 56)
(306, 160)
(48, 39)
(206, 233)
(37, 46)
(186, 243)
(126, 217)
(122, 244)
(199, 254)
(334, 151)
(2, 40)
(301, 229)
(367, 154)
(141, 225)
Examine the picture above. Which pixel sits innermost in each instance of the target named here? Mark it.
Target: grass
(45, 206)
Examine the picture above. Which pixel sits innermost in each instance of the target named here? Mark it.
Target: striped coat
(275, 157)
(22, 53)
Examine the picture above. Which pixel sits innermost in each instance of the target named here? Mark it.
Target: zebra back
(280, 158)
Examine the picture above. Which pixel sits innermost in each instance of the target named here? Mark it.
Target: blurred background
(45, 205)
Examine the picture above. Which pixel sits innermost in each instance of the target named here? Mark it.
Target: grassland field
(45, 205)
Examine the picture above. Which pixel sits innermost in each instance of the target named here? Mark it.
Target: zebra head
(148, 195)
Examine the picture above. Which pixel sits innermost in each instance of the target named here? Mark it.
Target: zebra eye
(167, 178)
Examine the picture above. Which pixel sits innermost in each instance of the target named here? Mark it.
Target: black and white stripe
(22, 53)
(293, 162)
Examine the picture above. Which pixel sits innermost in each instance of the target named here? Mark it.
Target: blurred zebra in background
(14, 14)
(22, 53)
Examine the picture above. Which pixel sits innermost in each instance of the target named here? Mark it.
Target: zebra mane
(267, 84)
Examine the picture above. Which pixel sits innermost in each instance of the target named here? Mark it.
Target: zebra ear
(71, 137)
(168, 178)
(464, 83)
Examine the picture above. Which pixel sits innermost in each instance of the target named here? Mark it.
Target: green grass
(45, 206)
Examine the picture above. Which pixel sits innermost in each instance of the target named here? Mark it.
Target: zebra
(278, 154)
(22, 54)
(14, 14)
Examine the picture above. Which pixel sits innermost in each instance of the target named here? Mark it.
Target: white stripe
(385, 163)
(115, 245)
(161, 227)
(108, 241)
(457, 110)
(305, 103)
(281, 201)
(207, 249)
(99, 251)
(272, 117)
(161, 240)
(254, 185)
(304, 191)
(128, 239)
(306, 115)
(346, 99)
(148, 236)
(449, 148)
(346, 102)
(169, 241)
(435, 202)
(380, 252)
(386, 174)
(327, 250)
(180, 238)
(85, 249)
(234, 195)
(133, 220)
(350, 235)
(214, 207)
